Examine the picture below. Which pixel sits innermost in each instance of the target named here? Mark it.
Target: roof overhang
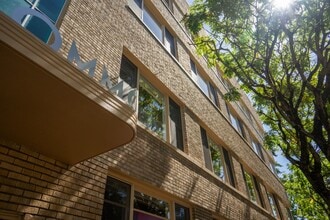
(52, 107)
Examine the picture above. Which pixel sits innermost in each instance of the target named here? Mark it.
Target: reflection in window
(204, 85)
(217, 160)
(116, 200)
(250, 186)
(206, 150)
(152, 24)
(169, 42)
(151, 108)
(50, 8)
(181, 212)
(273, 205)
(149, 208)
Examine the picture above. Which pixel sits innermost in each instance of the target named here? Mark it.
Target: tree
(281, 57)
(305, 203)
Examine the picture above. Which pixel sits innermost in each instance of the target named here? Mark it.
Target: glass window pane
(169, 42)
(206, 150)
(151, 108)
(203, 85)
(176, 125)
(117, 191)
(229, 167)
(128, 72)
(250, 186)
(273, 205)
(9, 6)
(213, 95)
(138, 3)
(116, 200)
(181, 212)
(217, 160)
(39, 28)
(152, 24)
(111, 211)
(51, 8)
(151, 205)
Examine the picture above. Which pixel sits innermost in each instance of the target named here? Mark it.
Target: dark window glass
(260, 151)
(150, 205)
(176, 125)
(51, 8)
(181, 212)
(213, 95)
(206, 150)
(128, 72)
(39, 28)
(229, 167)
(116, 200)
(169, 42)
(257, 185)
(151, 108)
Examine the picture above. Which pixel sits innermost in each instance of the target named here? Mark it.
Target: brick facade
(34, 186)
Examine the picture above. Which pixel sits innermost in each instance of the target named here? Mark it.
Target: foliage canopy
(282, 57)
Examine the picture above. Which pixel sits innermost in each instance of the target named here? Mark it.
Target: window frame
(229, 175)
(152, 192)
(210, 91)
(139, 8)
(167, 116)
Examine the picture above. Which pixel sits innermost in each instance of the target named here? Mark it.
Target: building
(118, 118)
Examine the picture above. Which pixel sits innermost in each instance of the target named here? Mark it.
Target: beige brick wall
(31, 183)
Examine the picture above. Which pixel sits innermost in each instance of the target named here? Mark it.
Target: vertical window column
(176, 134)
(116, 200)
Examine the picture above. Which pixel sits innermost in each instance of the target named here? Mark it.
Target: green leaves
(282, 57)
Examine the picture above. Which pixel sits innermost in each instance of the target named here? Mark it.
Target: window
(257, 149)
(250, 187)
(176, 136)
(128, 72)
(148, 207)
(236, 122)
(159, 31)
(169, 4)
(152, 24)
(273, 206)
(116, 200)
(207, 88)
(181, 212)
(217, 159)
(229, 167)
(151, 108)
(117, 205)
(206, 151)
(50, 8)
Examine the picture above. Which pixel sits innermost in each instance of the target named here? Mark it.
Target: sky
(190, 1)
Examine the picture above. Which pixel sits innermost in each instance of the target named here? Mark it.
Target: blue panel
(8, 6)
(51, 8)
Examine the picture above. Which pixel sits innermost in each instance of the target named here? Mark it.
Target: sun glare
(282, 4)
